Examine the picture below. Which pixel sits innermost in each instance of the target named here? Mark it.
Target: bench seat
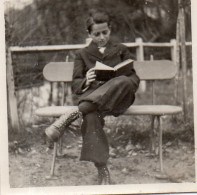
(157, 110)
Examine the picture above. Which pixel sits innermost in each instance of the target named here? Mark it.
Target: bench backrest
(146, 70)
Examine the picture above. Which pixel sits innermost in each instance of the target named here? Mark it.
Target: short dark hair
(97, 18)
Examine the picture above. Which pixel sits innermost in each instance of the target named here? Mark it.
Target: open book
(105, 73)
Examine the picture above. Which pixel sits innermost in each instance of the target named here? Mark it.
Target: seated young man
(97, 99)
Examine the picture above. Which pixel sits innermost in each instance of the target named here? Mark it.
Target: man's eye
(105, 32)
(97, 34)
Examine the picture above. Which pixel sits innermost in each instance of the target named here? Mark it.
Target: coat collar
(111, 47)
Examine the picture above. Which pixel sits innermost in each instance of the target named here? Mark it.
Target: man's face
(100, 34)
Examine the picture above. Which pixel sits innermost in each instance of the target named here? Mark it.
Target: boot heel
(52, 134)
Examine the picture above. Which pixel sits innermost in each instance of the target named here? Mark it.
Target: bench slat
(56, 111)
(155, 70)
(153, 110)
(146, 70)
(58, 71)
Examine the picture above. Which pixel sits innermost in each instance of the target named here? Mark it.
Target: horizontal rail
(47, 48)
(131, 44)
(163, 44)
(80, 46)
(188, 43)
(157, 44)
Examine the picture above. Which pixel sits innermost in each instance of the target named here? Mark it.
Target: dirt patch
(136, 165)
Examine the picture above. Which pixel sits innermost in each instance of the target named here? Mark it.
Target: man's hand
(90, 77)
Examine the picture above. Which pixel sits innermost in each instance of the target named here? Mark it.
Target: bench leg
(60, 146)
(160, 142)
(59, 150)
(52, 176)
(152, 135)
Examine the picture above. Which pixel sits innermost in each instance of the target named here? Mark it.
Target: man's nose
(101, 36)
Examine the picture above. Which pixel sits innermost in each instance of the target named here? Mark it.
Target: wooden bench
(146, 70)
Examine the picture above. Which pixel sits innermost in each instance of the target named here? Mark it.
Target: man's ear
(109, 27)
(88, 32)
(89, 35)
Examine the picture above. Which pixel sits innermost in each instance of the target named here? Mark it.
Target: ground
(130, 162)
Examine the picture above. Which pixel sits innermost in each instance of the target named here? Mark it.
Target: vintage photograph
(99, 92)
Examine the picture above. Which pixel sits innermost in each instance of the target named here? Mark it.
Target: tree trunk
(183, 56)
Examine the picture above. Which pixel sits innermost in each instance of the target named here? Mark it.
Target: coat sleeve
(125, 54)
(78, 75)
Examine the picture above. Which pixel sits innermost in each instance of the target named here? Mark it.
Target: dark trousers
(95, 145)
(114, 97)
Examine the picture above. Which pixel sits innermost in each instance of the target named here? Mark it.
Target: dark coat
(112, 97)
(86, 59)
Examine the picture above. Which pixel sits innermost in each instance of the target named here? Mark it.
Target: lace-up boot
(56, 130)
(103, 175)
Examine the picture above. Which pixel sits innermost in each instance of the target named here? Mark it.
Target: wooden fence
(138, 44)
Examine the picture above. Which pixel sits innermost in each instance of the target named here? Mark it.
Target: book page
(101, 66)
(123, 64)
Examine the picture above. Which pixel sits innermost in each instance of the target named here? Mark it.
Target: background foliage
(50, 22)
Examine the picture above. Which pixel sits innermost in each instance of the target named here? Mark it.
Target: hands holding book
(90, 76)
(102, 72)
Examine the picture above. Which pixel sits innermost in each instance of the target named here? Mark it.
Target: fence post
(12, 103)
(175, 59)
(183, 57)
(140, 57)
(173, 50)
